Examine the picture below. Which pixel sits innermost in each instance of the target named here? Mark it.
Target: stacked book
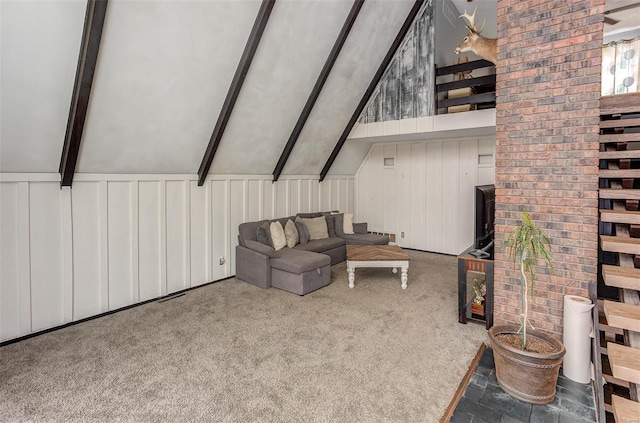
(461, 92)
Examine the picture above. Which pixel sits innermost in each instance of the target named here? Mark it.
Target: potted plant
(527, 360)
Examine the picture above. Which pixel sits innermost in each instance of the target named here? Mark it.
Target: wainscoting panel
(424, 189)
(15, 271)
(177, 235)
(468, 179)
(152, 224)
(46, 256)
(90, 283)
(418, 199)
(115, 240)
(200, 217)
(122, 210)
(436, 205)
(220, 232)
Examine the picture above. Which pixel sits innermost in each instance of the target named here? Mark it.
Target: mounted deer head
(486, 48)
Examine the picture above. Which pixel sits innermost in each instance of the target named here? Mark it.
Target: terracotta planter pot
(527, 376)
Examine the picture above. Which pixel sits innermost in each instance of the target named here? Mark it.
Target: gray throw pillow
(263, 235)
(303, 233)
(261, 248)
(331, 227)
(338, 220)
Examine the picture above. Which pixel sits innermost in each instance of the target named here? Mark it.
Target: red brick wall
(548, 91)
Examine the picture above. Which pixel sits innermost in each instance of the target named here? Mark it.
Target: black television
(485, 200)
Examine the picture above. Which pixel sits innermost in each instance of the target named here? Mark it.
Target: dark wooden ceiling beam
(236, 85)
(87, 59)
(372, 86)
(322, 78)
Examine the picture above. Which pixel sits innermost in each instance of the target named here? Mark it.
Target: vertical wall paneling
(24, 257)
(486, 161)
(46, 241)
(334, 198)
(177, 236)
(237, 202)
(418, 195)
(435, 198)
(315, 195)
(103, 198)
(254, 207)
(363, 192)
(268, 187)
(468, 172)
(9, 279)
(135, 240)
(450, 198)
(220, 230)
(305, 196)
(123, 288)
(325, 194)
(67, 254)
(294, 197)
(152, 239)
(282, 198)
(200, 232)
(116, 240)
(88, 245)
(350, 194)
(389, 189)
(377, 204)
(404, 199)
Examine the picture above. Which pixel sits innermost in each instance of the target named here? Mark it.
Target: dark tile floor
(484, 402)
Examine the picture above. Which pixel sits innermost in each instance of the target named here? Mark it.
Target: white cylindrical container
(576, 338)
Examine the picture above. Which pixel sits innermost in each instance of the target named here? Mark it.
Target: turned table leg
(404, 277)
(352, 276)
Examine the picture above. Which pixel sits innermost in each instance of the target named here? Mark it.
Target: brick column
(548, 94)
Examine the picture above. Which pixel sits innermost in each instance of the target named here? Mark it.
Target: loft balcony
(465, 107)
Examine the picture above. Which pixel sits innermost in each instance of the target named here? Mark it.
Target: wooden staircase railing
(620, 253)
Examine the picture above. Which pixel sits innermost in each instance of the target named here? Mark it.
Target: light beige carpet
(231, 352)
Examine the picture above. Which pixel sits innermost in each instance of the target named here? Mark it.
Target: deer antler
(472, 20)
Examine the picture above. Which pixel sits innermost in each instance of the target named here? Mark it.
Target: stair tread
(617, 244)
(621, 277)
(625, 362)
(625, 410)
(620, 216)
(619, 123)
(607, 374)
(619, 154)
(621, 315)
(620, 194)
(619, 173)
(634, 136)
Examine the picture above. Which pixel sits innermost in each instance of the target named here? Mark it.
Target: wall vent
(449, 13)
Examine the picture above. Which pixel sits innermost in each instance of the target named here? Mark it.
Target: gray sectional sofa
(303, 268)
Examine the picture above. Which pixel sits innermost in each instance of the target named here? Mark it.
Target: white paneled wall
(424, 190)
(117, 240)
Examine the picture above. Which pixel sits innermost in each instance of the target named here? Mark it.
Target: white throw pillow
(347, 223)
(291, 233)
(277, 235)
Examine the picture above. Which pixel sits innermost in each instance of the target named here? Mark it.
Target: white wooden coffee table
(377, 256)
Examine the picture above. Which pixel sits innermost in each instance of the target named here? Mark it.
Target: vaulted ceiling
(162, 74)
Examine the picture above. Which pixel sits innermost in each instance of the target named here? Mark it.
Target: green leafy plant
(528, 245)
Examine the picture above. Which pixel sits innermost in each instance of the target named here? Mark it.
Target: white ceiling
(162, 75)
(628, 20)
